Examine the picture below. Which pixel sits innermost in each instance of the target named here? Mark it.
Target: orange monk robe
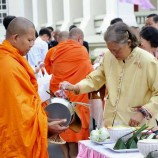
(23, 122)
(48, 59)
(71, 63)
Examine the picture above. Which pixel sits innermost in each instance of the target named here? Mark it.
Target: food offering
(131, 143)
(117, 132)
(100, 136)
(148, 148)
(141, 139)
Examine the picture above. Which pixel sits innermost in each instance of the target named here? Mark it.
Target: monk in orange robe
(71, 62)
(63, 36)
(48, 59)
(23, 122)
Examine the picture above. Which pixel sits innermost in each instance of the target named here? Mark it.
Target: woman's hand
(66, 86)
(136, 119)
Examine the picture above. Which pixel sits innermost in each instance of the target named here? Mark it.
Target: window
(3, 10)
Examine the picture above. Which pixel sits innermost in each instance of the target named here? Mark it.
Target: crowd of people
(128, 69)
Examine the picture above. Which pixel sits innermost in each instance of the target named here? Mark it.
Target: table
(88, 149)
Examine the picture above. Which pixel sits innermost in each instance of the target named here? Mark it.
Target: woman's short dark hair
(7, 20)
(150, 34)
(113, 21)
(120, 33)
(71, 27)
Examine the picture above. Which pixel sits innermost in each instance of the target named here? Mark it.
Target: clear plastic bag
(96, 110)
(97, 103)
(43, 81)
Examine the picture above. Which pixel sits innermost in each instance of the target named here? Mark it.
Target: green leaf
(143, 136)
(120, 144)
(141, 129)
(131, 143)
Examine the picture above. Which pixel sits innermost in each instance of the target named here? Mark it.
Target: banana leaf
(143, 136)
(146, 134)
(140, 130)
(120, 144)
(132, 142)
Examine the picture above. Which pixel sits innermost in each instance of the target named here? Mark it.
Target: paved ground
(55, 151)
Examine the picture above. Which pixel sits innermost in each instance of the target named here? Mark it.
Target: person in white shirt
(38, 52)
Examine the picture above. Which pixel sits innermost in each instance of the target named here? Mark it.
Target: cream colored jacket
(130, 83)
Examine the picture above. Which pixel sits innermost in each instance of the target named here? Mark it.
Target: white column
(115, 9)
(87, 24)
(21, 8)
(67, 16)
(127, 14)
(35, 12)
(17, 10)
(87, 8)
(66, 5)
(112, 11)
(112, 8)
(49, 13)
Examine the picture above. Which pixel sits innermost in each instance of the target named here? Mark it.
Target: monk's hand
(55, 126)
(66, 86)
(136, 119)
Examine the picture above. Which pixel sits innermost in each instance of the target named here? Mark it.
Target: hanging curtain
(144, 4)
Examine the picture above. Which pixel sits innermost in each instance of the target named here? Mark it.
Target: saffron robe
(48, 59)
(23, 122)
(71, 62)
(131, 83)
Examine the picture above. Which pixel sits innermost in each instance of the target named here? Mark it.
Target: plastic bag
(96, 109)
(43, 80)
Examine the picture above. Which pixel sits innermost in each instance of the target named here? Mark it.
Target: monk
(23, 122)
(71, 62)
(63, 35)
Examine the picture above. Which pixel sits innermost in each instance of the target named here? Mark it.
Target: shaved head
(63, 35)
(21, 34)
(75, 32)
(19, 26)
(77, 35)
(56, 34)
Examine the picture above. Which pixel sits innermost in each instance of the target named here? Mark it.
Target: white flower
(94, 135)
(99, 135)
(103, 134)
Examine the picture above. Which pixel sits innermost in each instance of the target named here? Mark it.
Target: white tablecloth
(88, 149)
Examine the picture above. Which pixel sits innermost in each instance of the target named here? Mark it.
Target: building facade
(92, 16)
